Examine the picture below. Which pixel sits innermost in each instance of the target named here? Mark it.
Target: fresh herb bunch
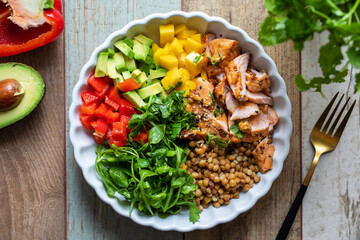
(150, 175)
(298, 20)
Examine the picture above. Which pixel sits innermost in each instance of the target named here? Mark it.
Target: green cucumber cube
(144, 40)
(120, 62)
(101, 64)
(124, 48)
(141, 51)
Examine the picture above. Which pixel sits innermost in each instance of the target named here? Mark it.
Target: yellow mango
(158, 53)
(185, 74)
(187, 87)
(168, 61)
(194, 67)
(196, 37)
(166, 34)
(167, 47)
(155, 47)
(181, 59)
(176, 47)
(186, 33)
(171, 79)
(204, 74)
(180, 27)
(192, 46)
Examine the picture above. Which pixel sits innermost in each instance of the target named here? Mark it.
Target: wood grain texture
(32, 153)
(332, 201)
(264, 220)
(88, 23)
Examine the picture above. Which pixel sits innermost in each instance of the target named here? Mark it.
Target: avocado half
(32, 89)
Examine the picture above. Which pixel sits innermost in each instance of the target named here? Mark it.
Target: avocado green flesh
(33, 85)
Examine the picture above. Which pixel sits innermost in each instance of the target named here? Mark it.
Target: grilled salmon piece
(224, 50)
(245, 110)
(259, 98)
(203, 92)
(235, 74)
(263, 122)
(257, 81)
(231, 103)
(263, 155)
(219, 91)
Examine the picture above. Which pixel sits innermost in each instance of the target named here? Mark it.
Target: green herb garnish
(214, 63)
(235, 129)
(221, 143)
(218, 112)
(220, 55)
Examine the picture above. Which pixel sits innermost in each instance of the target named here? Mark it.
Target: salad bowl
(85, 146)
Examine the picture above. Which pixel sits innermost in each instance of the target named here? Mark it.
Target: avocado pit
(11, 94)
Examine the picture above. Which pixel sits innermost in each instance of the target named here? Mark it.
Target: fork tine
(332, 114)
(344, 121)
(338, 117)
(322, 118)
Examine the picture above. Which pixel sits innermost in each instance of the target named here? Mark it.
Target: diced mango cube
(193, 63)
(160, 52)
(204, 74)
(176, 47)
(181, 59)
(180, 27)
(155, 47)
(168, 61)
(186, 33)
(171, 79)
(192, 46)
(166, 34)
(196, 37)
(187, 87)
(185, 74)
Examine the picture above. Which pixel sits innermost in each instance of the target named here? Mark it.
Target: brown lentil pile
(221, 173)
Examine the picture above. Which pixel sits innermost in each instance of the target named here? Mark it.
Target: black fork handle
(285, 227)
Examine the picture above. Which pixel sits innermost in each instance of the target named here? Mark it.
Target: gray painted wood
(88, 23)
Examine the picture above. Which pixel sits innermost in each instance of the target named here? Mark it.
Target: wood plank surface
(331, 207)
(32, 153)
(88, 23)
(264, 220)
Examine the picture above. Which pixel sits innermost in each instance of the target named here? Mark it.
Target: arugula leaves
(150, 175)
(298, 20)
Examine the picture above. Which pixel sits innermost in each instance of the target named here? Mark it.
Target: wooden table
(43, 194)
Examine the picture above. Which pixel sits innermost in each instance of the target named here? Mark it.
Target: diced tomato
(101, 128)
(142, 137)
(103, 92)
(126, 108)
(88, 108)
(86, 120)
(92, 124)
(119, 143)
(119, 131)
(112, 117)
(128, 85)
(111, 103)
(89, 97)
(99, 140)
(108, 80)
(97, 83)
(125, 119)
(101, 111)
(114, 95)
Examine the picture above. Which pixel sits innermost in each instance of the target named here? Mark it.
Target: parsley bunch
(298, 20)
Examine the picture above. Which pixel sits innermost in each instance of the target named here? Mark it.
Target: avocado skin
(34, 87)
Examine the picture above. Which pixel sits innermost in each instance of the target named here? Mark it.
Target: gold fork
(324, 139)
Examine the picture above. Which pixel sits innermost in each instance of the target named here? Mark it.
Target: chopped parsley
(235, 129)
(218, 112)
(220, 55)
(213, 62)
(221, 143)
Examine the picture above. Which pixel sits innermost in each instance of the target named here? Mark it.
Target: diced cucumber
(101, 64)
(149, 58)
(134, 99)
(111, 70)
(136, 73)
(150, 90)
(146, 67)
(126, 75)
(111, 52)
(119, 62)
(158, 73)
(129, 42)
(144, 40)
(130, 64)
(124, 48)
(141, 51)
(141, 78)
(118, 80)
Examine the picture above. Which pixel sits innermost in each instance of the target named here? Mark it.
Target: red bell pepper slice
(125, 119)
(89, 97)
(101, 111)
(86, 120)
(18, 35)
(128, 85)
(99, 140)
(113, 94)
(112, 117)
(109, 132)
(119, 143)
(111, 103)
(97, 83)
(142, 137)
(126, 108)
(102, 94)
(101, 128)
(88, 108)
(119, 131)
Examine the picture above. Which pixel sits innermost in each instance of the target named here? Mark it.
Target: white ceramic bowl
(84, 145)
